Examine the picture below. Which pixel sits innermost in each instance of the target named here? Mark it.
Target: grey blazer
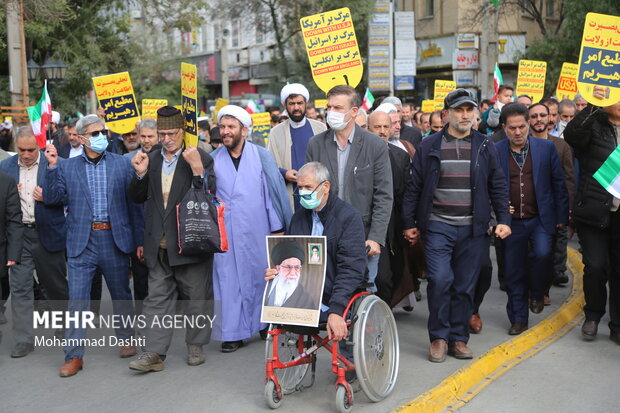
(368, 177)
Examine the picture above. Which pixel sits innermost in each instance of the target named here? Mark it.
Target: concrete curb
(461, 386)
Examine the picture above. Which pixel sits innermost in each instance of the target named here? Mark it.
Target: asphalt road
(235, 382)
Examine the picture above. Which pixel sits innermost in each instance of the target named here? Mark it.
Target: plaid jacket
(67, 185)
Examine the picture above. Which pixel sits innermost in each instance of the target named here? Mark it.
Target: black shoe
(231, 346)
(264, 333)
(537, 306)
(502, 286)
(517, 328)
(615, 337)
(560, 279)
(589, 330)
(408, 308)
(22, 350)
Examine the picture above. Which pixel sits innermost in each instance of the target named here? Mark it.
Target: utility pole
(16, 53)
(489, 47)
(224, 64)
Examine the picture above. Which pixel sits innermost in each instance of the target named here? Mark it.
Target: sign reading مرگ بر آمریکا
(150, 107)
(531, 79)
(599, 59)
(332, 49)
(442, 88)
(116, 96)
(261, 124)
(189, 101)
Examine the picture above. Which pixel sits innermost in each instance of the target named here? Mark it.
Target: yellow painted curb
(461, 386)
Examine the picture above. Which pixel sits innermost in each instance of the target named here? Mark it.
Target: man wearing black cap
(455, 180)
(285, 290)
(169, 271)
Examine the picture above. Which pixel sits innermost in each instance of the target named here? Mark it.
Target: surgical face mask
(309, 199)
(561, 125)
(98, 143)
(336, 120)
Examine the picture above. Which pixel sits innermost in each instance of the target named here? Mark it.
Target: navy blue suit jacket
(67, 184)
(549, 184)
(50, 220)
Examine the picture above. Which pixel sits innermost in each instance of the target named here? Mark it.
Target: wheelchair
(291, 351)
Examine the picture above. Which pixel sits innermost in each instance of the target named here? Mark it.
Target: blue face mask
(309, 199)
(98, 143)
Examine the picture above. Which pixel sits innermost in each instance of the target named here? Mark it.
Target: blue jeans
(528, 238)
(453, 258)
(373, 269)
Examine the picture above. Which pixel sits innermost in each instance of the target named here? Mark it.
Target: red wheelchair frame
(340, 364)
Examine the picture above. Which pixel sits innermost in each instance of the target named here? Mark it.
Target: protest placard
(189, 102)
(428, 106)
(261, 125)
(115, 95)
(567, 83)
(442, 88)
(531, 79)
(599, 58)
(332, 49)
(150, 107)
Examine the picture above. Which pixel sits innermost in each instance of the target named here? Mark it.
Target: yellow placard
(332, 49)
(320, 103)
(261, 124)
(150, 107)
(428, 106)
(189, 102)
(567, 83)
(219, 104)
(116, 97)
(442, 88)
(599, 58)
(531, 79)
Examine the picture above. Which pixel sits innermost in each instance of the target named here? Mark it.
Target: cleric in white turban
(294, 89)
(386, 108)
(236, 112)
(251, 186)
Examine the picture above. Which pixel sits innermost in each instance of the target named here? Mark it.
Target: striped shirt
(98, 184)
(452, 197)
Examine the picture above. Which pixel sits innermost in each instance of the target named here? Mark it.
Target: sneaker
(195, 355)
(147, 361)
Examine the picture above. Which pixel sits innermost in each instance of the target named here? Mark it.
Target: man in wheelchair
(323, 213)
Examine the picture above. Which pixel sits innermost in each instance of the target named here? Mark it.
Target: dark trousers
(484, 278)
(499, 256)
(453, 259)
(528, 239)
(194, 283)
(601, 260)
(51, 270)
(140, 274)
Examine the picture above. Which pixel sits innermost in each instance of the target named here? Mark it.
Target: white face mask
(562, 125)
(336, 120)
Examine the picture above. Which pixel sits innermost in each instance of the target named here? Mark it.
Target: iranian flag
(498, 80)
(608, 175)
(40, 116)
(252, 107)
(369, 100)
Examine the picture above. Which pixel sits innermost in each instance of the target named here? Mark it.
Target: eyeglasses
(163, 135)
(96, 133)
(289, 268)
(308, 197)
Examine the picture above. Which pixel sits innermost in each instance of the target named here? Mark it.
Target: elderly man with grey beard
(448, 204)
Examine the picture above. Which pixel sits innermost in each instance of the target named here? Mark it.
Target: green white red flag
(498, 79)
(40, 117)
(369, 100)
(608, 175)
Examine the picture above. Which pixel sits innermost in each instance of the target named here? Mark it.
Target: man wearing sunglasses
(286, 290)
(103, 228)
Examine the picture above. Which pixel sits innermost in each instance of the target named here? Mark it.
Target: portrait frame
(311, 246)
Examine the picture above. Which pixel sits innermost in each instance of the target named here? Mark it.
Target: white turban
(55, 117)
(294, 89)
(386, 108)
(236, 112)
(393, 100)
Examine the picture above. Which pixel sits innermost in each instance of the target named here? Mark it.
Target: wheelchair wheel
(375, 348)
(290, 378)
(343, 403)
(271, 395)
